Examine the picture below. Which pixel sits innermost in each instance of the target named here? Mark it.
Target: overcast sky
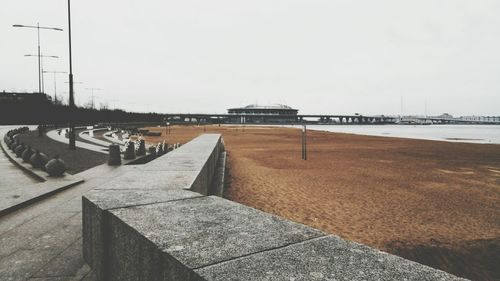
(326, 56)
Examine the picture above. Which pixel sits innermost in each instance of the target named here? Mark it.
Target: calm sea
(454, 133)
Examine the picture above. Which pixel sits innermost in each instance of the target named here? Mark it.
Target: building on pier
(278, 113)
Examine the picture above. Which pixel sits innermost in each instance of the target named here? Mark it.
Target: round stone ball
(26, 155)
(39, 160)
(19, 150)
(55, 167)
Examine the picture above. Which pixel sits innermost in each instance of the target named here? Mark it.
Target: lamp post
(74, 94)
(38, 27)
(55, 82)
(41, 66)
(72, 144)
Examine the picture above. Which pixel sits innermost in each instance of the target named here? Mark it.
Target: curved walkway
(61, 138)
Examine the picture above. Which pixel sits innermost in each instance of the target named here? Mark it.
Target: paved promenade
(43, 241)
(61, 138)
(11, 176)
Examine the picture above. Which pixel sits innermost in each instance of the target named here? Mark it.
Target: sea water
(452, 133)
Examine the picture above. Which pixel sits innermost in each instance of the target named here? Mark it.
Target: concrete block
(197, 232)
(132, 257)
(324, 258)
(96, 226)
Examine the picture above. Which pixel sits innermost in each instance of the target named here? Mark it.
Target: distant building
(254, 113)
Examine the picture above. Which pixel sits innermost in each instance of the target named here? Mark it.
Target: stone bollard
(152, 150)
(164, 147)
(14, 144)
(142, 148)
(114, 155)
(130, 151)
(9, 141)
(55, 167)
(41, 130)
(159, 150)
(38, 160)
(26, 155)
(19, 149)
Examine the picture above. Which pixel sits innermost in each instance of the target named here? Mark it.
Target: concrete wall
(155, 222)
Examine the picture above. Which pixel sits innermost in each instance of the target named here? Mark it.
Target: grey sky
(319, 56)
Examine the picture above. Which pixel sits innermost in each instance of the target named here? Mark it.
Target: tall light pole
(38, 27)
(55, 82)
(41, 66)
(72, 144)
(74, 94)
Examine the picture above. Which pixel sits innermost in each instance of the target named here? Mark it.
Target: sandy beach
(434, 202)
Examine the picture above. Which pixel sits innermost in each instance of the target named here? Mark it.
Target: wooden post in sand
(304, 142)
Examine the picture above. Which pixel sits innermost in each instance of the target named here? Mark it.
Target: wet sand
(399, 195)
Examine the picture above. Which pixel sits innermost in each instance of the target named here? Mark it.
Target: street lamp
(42, 56)
(38, 27)
(72, 141)
(55, 82)
(74, 94)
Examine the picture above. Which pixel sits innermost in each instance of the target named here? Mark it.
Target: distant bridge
(316, 119)
(277, 119)
(443, 120)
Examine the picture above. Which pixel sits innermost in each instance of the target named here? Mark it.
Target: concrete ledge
(324, 258)
(199, 156)
(21, 197)
(156, 223)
